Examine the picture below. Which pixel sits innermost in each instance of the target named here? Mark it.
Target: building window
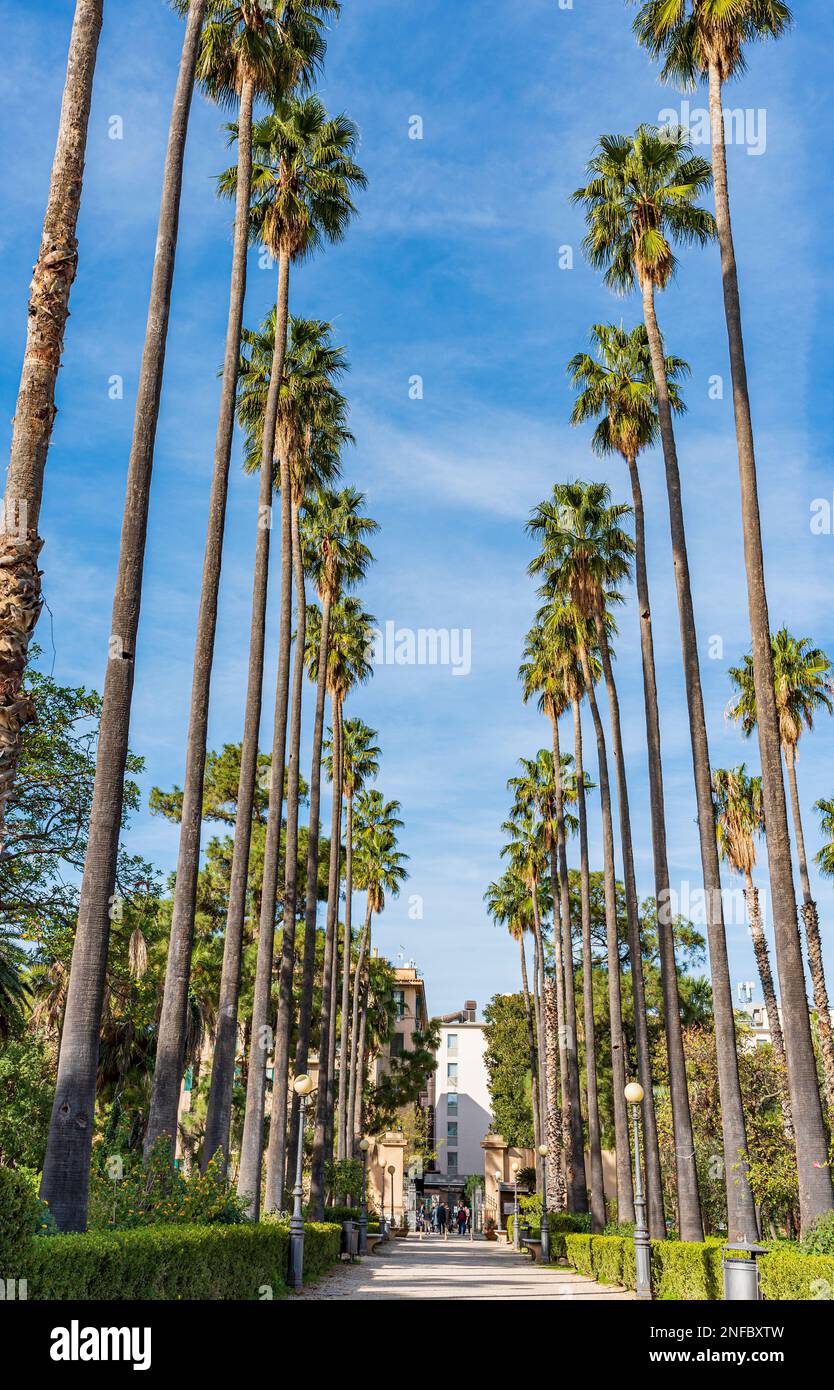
(452, 1130)
(452, 1161)
(452, 1044)
(452, 1073)
(397, 1045)
(399, 1002)
(452, 1104)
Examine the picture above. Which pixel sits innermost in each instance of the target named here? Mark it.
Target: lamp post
(516, 1233)
(364, 1145)
(545, 1231)
(642, 1249)
(383, 1228)
(303, 1086)
(391, 1171)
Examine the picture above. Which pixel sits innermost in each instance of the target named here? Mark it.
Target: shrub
(820, 1239)
(607, 1258)
(578, 1251)
(126, 1192)
(688, 1270)
(799, 1278)
(19, 1214)
(169, 1262)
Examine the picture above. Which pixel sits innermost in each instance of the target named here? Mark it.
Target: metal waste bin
(741, 1272)
(350, 1239)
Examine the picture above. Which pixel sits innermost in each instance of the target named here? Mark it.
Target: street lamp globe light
(634, 1093)
(303, 1085)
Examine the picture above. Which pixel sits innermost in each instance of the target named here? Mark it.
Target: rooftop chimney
(471, 1009)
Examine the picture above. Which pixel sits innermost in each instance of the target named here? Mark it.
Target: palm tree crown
(333, 531)
(802, 679)
(247, 41)
(689, 35)
(739, 816)
(616, 385)
(348, 643)
(303, 176)
(584, 549)
(639, 200)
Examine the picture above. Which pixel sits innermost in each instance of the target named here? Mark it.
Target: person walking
(442, 1217)
(463, 1219)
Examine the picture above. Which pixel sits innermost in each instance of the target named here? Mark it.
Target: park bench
(533, 1248)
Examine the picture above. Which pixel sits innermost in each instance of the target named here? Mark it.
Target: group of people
(441, 1218)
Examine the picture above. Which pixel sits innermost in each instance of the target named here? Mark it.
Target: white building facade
(462, 1103)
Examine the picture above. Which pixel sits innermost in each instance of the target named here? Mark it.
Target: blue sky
(452, 273)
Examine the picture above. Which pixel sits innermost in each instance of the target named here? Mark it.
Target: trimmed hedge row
(560, 1224)
(691, 1271)
(243, 1262)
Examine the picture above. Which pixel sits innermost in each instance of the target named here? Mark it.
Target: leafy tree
(27, 1082)
(509, 1075)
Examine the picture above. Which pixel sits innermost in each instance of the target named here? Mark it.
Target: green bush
(19, 1215)
(578, 1251)
(798, 1278)
(687, 1270)
(820, 1239)
(126, 1192)
(607, 1258)
(169, 1262)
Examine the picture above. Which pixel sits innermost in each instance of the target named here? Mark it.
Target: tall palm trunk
(577, 1188)
(592, 1100)
(344, 1066)
(276, 1150)
(170, 1047)
(48, 311)
(557, 1151)
(777, 1041)
(66, 1168)
(331, 948)
(251, 1148)
(815, 1190)
(188, 860)
(810, 918)
(686, 1174)
(557, 1061)
(625, 1195)
(305, 1012)
(541, 1021)
(651, 1147)
(741, 1211)
(357, 1028)
(531, 1041)
(358, 1112)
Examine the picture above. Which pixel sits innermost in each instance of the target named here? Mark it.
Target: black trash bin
(350, 1239)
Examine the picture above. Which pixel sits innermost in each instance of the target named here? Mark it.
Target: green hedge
(245, 1262)
(691, 1271)
(560, 1223)
(799, 1278)
(18, 1214)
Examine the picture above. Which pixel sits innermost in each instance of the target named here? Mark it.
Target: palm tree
(246, 53)
(360, 764)
(509, 903)
(616, 386)
(562, 628)
(351, 630)
(539, 675)
(642, 196)
(336, 558)
(739, 822)
(48, 310)
(379, 870)
(824, 858)
(697, 40)
(67, 1164)
(311, 366)
(303, 177)
(802, 686)
(584, 550)
(312, 430)
(536, 791)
